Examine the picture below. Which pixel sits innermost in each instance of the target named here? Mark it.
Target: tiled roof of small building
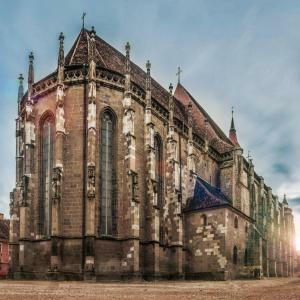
(4, 229)
(108, 57)
(206, 196)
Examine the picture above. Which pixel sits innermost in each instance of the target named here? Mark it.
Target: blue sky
(244, 54)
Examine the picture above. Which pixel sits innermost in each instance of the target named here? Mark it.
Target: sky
(244, 54)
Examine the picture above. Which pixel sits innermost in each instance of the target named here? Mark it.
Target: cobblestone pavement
(246, 289)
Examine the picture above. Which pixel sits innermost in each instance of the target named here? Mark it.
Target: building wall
(4, 257)
(189, 246)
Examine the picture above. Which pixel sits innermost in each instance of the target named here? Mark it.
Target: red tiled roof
(108, 57)
(211, 131)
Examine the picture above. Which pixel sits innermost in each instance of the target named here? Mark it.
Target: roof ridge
(131, 62)
(76, 45)
(215, 126)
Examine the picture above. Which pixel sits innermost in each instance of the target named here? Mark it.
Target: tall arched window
(159, 180)
(158, 169)
(235, 255)
(246, 257)
(236, 222)
(107, 174)
(47, 160)
(204, 220)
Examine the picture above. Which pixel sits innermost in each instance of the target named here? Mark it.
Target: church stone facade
(117, 177)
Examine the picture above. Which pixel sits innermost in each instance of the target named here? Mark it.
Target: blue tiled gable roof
(205, 196)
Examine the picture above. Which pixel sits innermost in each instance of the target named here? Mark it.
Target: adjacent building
(4, 247)
(117, 177)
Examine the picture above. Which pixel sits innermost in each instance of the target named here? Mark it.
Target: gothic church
(119, 178)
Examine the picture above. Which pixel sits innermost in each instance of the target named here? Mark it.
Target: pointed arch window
(159, 180)
(235, 255)
(159, 169)
(236, 222)
(47, 164)
(204, 220)
(107, 174)
(246, 257)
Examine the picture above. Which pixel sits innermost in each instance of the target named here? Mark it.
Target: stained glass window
(107, 173)
(47, 145)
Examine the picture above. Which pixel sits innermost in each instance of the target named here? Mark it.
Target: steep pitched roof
(4, 229)
(211, 131)
(108, 57)
(206, 196)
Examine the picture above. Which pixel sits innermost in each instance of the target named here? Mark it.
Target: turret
(232, 131)
(30, 76)
(20, 91)
(61, 59)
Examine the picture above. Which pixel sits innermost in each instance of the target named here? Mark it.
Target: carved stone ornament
(60, 93)
(91, 182)
(92, 91)
(56, 184)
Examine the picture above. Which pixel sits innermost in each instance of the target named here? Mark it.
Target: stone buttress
(57, 175)
(91, 160)
(130, 263)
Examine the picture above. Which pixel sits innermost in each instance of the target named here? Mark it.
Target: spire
(127, 64)
(171, 101)
(171, 111)
(148, 79)
(190, 120)
(232, 131)
(61, 55)
(30, 75)
(20, 91)
(92, 50)
(284, 200)
(61, 60)
(127, 67)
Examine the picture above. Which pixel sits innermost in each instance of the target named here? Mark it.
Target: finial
(31, 57)
(30, 70)
(171, 88)
(93, 31)
(83, 16)
(249, 155)
(178, 73)
(61, 37)
(61, 55)
(21, 89)
(190, 108)
(127, 61)
(284, 200)
(127, 49)
(148, 66)
(148, 78)
(21, 78)
(232, 131)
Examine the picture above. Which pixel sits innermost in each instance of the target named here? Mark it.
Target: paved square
(247, 289)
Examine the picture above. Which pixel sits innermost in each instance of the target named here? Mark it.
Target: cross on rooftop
(178, 74)
(83, 16)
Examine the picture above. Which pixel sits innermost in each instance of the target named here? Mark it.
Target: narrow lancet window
(107, 174)
(158, 170)
(235, 255)
(47, 152)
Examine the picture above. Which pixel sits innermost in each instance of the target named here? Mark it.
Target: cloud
(243, 54)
